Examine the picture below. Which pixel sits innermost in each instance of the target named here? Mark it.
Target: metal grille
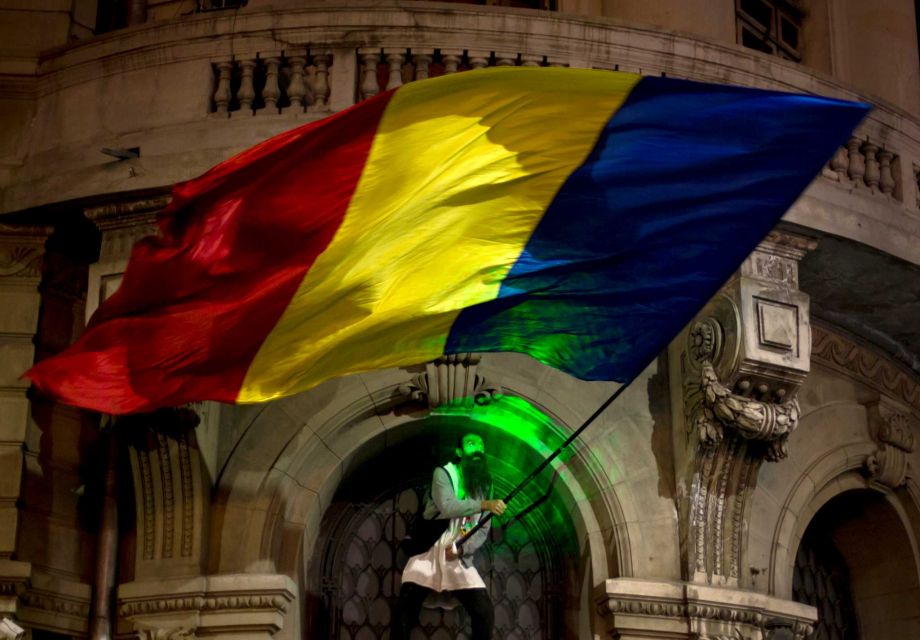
(821, 580)
(363, 568)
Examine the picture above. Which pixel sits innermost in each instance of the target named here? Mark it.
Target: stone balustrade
(865, 165)
(272, 83)
(194, 90)
(382, 68)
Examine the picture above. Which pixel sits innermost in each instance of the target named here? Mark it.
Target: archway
(293, 455)
(531, 565)
(857, 566)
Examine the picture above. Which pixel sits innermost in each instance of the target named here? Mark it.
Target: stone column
(21, 252)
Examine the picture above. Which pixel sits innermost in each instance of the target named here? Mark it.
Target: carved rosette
(745, 357)
(892, 427)
(451, 380)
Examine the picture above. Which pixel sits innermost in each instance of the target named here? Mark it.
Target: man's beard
(476, 477)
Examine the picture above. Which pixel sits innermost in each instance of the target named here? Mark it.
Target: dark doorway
(856, 565)
(357, 564)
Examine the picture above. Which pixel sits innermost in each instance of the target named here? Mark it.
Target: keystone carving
(891, 427)
(451, 380)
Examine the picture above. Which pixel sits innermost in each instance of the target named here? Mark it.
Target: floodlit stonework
(759, 481)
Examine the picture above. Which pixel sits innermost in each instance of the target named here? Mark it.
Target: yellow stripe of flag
(422, 238)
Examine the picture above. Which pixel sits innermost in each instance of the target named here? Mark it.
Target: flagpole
(548, 460)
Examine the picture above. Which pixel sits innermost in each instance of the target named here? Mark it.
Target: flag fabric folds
(582, 217)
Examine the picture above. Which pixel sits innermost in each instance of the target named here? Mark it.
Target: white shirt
(432, 569)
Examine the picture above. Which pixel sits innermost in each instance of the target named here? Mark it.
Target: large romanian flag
(582, 217)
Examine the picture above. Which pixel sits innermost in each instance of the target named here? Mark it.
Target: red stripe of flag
(198, 301)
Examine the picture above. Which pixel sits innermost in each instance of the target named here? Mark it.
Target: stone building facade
(758, 481)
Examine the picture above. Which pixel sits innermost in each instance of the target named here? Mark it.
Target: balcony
(190, 92)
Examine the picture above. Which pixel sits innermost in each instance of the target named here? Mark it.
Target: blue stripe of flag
(684, 181)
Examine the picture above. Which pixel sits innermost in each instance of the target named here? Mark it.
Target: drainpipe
(102, 618)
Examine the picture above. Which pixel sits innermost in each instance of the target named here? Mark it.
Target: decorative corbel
(891, 426)
(713, 408)
(745, 357)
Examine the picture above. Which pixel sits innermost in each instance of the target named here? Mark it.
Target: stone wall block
(11, 477)
(14, 416)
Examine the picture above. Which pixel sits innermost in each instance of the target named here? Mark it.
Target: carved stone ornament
(751, 419)
(892, 428)
(713, 408)
(169, 498)
(744, 358)
(451, 380)
(21, 251)
(845, 355)
(176, 633)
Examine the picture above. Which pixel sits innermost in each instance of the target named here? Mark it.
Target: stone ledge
(251, 604)
(661, 609)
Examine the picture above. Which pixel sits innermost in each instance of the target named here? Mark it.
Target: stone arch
(869, 531)
(291, 454)
(831, 471)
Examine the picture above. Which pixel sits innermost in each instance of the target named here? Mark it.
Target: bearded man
(461, 492)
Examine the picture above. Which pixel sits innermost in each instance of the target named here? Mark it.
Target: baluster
(297, 89)
(886, 182)
(271, 93)
(321, 82)
(421, 62)
(857, 167)
(451, 60)
(530, 60)
(247, 92)
(369, 86)
(505, 59)
(222, 93)
(872, 172)
(839, 163)
(395, 60)
(478, 60)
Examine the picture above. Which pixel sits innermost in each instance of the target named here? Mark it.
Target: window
(771, 26)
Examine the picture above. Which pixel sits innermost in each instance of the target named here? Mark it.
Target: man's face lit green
(472, 447)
